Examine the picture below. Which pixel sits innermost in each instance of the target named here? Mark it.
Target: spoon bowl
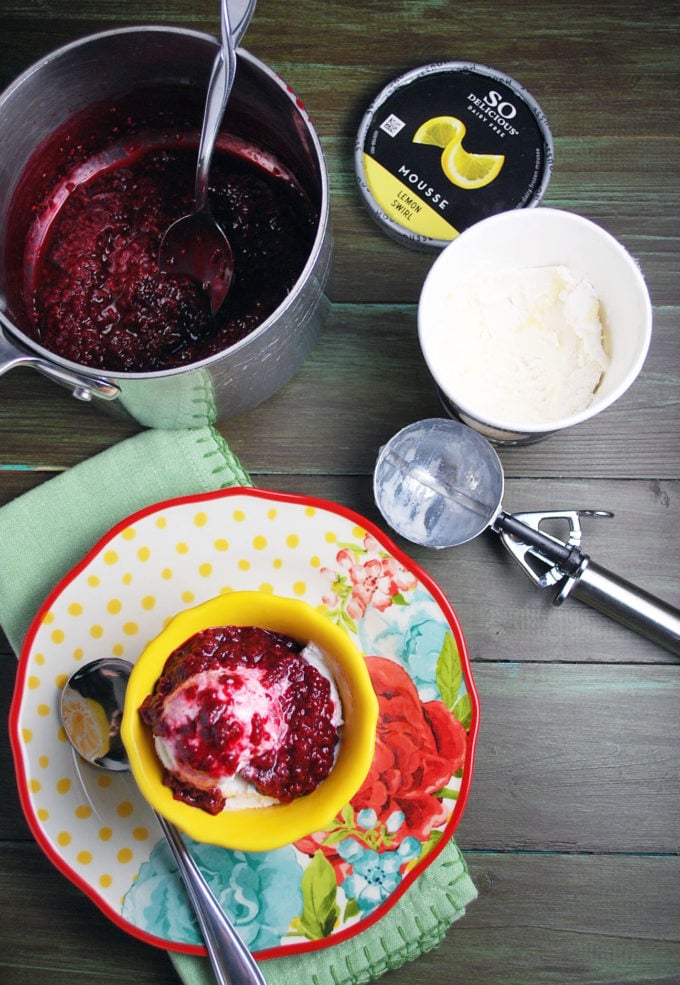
(92, 711)
(196, 246)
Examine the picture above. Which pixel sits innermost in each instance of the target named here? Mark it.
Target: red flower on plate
(419, 746)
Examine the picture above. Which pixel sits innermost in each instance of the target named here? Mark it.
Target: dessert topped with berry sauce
(244, 717)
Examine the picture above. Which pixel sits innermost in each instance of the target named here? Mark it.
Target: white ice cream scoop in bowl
(532, 321)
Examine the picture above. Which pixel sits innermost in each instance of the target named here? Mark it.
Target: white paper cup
(531, 238)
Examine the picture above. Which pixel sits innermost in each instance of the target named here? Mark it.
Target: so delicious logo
(495, 109)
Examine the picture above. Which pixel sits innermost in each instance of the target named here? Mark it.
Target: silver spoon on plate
(105, 681)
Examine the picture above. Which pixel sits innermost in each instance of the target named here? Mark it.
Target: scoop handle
(635, 608)
(231, 961)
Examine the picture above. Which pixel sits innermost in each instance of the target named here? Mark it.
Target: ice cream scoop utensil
(196, 245)
(104, 682)
(438, 483)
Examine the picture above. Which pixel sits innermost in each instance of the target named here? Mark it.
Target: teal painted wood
(596, 932)
(363, 381)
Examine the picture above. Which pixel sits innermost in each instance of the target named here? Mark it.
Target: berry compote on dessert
(92, 287)
(242, 716)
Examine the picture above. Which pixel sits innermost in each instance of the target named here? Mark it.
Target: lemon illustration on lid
(86, 722)
(470, 170)
(440, 131)
(463, 168)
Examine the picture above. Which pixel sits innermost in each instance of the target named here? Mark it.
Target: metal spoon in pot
(196, 245)
(105, 681)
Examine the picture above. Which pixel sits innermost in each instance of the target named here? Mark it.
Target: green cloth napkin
(47, 530)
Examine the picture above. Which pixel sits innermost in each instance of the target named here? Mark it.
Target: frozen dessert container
(513, 243)
(103, 68)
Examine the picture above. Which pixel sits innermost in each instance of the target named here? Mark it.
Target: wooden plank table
(571, 830)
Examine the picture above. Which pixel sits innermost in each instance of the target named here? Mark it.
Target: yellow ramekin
(258, 828)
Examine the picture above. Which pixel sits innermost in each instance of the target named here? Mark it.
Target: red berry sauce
(92, 289)
(211, 742)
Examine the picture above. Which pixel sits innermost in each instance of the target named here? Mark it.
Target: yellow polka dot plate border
(96, 827)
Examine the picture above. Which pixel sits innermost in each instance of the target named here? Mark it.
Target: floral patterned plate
(95, 826)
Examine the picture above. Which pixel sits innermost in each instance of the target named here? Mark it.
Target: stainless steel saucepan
(262, 109)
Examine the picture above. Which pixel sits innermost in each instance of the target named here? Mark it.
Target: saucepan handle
(83, 387)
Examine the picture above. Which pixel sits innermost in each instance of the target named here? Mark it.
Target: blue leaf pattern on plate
(260, 891)
(413, 634)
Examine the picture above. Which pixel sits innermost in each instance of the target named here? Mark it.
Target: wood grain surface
(572, 830)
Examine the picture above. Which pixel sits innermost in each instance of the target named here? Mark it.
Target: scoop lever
(549, 561)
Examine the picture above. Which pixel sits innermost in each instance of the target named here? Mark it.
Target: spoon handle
(219, 88)
(231, 961)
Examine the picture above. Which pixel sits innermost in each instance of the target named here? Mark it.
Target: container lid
(446, 145)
